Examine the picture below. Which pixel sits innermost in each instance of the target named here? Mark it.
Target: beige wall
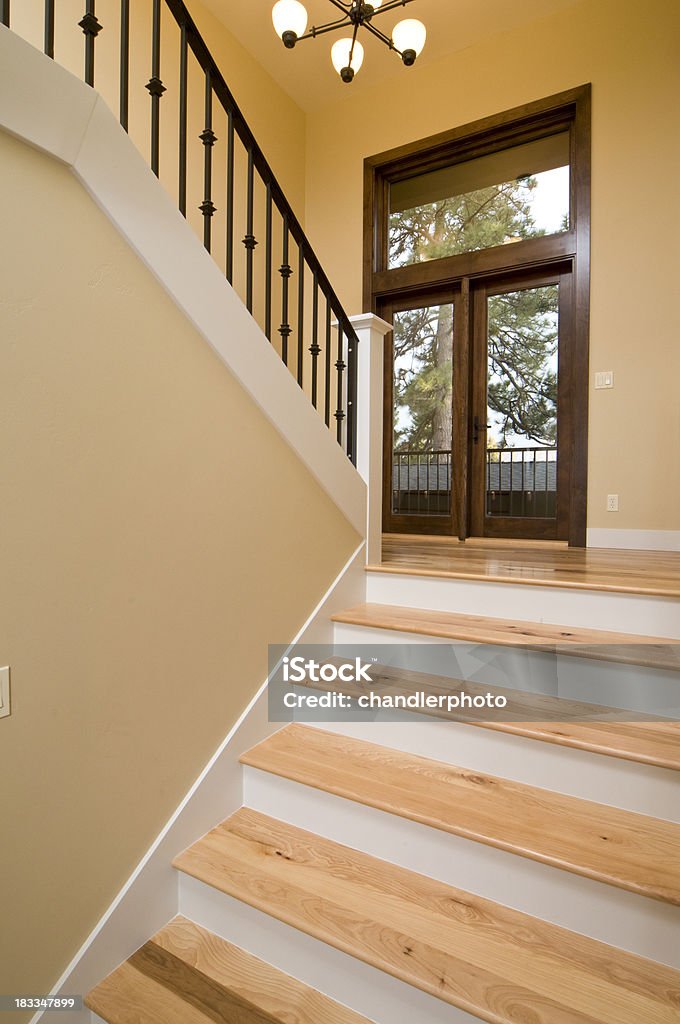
(630, 54)
(144, 498)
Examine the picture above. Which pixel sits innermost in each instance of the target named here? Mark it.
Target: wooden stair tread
(614, 846)
(496, 963)
(654, 573)
(654, 652)
(630, 735)
(187, 975)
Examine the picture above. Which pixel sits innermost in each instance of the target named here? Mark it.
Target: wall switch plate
(612, 503)
(4, 692)
(604, 380)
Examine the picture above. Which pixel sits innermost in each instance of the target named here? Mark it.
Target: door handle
(479, 428)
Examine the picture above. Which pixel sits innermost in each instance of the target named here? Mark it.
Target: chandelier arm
(382, 37)
(354, 39)
(391, 6)
(329, 27)
(346, 8)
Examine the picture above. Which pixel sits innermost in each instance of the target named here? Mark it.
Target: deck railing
(301, 315)
(519, 482)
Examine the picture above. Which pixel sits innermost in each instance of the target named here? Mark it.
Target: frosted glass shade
(289, 16)
(409, 34)
(340, 55)
(375, 4)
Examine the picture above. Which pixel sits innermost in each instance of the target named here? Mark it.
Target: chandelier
(347, 54)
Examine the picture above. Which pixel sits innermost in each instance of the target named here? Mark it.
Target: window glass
(504, 197)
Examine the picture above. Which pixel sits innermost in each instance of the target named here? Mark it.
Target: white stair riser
(643, 926)
(378, 996)
(632, 687)
(644, 789)
(588, 609)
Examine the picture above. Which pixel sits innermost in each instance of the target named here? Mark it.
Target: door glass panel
(521, 427)
(504, 197)
(423, 411)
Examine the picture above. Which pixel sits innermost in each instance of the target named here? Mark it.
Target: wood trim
(437, 525)
(580, 363)
(569, 109)
(518, 527)
(499, 259)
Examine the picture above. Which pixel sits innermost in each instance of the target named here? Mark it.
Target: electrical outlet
(612, 503)
(4, 692)
(604, 380)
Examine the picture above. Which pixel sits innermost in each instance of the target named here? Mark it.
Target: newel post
(371, 331)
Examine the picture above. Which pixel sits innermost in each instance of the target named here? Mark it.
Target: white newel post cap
(371, 331)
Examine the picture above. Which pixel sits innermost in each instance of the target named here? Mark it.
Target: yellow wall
(630, 54)
(144, 497)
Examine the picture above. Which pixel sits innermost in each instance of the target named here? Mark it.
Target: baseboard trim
(639, 540)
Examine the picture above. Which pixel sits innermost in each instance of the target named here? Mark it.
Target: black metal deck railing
(301, 315)
(519, 482)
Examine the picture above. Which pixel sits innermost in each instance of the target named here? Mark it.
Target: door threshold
(479, 542)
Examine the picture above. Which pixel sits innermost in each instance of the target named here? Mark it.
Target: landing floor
(537, 563)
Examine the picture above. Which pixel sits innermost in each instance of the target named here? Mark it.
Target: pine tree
(522, 324)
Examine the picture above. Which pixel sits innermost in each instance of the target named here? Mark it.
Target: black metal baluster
(155, 86)
(124, 62)
(230, 198)
(4, 12)
(268, 267)
(49, 28)
(340, 367)
(285, 270)
(250, 241)
(183, 71)
(327, 382)
(208, 138)
(315, 348)
(91, 29)
(352, 342)
(301, 315)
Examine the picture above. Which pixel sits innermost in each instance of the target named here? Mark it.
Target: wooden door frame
(431, 524)
(481, 524)
(570, 110)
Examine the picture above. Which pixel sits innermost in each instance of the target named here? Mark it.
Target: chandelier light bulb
(340, 56)
(409, 38)
(290, 21)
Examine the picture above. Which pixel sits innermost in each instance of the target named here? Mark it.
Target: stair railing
(316, 340)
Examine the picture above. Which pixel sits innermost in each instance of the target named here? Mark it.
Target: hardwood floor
(187, 975)
(617, 847)
(537, 564)
(497, 963)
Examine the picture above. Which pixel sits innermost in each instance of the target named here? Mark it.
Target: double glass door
(477, 418)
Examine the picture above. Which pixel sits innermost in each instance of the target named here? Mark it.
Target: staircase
(524, 870)
(433, 869)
